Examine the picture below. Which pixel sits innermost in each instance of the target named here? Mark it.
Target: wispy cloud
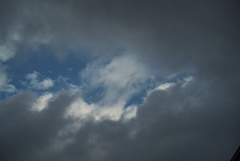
(4, 82)
(35, 83)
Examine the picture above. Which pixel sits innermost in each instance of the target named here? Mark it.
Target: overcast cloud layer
(149, 80)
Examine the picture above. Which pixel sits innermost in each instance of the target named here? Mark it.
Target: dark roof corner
(236, 156)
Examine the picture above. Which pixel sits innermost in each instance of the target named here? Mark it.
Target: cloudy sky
(114, 80)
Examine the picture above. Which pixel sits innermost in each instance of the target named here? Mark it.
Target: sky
(132, 80)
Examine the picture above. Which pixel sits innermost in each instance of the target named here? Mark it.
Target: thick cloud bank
(161, 81)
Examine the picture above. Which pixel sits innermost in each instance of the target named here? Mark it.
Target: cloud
(117, 80)
(9, 88)
(169, 35)
(81, 110)
(168, 85)
(4, 82)
(182, 118)
(64, 83)
(30, 126)
(187, 80)
(42, 102)
(178, 119)
(164, 86)
(121, 78)
(34, 82)
(6, 52)
(130, 112)
(3, 77)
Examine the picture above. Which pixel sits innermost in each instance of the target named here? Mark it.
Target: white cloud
(34, 82)
(45, 84)
(168, 85)
(64, 81)
(9, 88)
(121, 72)
(130, 112)
(164, 86)
(81, 110)
(9, 48)
(187, 80)
(3, 77)
(4, 83)
(32, 76)
(121, 78)
(7, 51)
(42, 102)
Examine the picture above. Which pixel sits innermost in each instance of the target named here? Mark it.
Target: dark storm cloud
(25, 133)
(175, 33)
(190, 124)
(199, 122)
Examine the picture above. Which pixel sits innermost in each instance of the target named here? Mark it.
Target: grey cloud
(198, 122)
(184, 123)
(180, 123)
(4, 81)
(26, 133)
(175, 33)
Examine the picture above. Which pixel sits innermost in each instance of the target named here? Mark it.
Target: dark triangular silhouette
(236, 156)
